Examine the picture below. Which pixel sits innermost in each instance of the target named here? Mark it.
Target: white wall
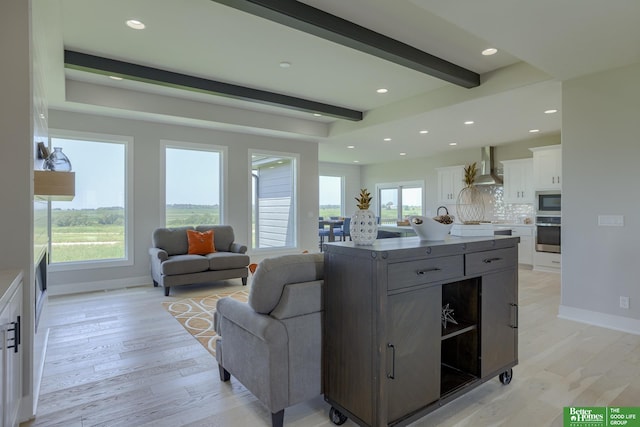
(16, 170)
(601, 172)
(147, 187)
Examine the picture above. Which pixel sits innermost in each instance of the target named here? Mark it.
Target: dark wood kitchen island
(410, 325)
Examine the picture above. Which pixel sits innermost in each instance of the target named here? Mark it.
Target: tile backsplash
(496, 210)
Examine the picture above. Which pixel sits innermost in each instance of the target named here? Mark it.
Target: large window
(398, 201)
(94, 225)
(193, 176)
(274, 201)
(330, 196)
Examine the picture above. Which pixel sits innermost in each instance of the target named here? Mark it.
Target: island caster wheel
(506, 376)
(337, 417)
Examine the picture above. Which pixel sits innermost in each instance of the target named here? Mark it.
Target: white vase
(363, 228)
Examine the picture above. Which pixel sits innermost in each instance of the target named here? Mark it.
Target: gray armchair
(273, 343)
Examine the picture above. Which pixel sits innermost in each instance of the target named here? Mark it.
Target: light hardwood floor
(119, 359)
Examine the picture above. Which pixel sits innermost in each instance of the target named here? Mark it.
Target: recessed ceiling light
(317, 114)
(382, 90)
(356, 161)
(285, 64)
(387, 139)
(490, 51)
(534, 130)
(453, 143)
(351, 146)
(424, 131)
(135, 24)
(403, 154)
(469, 122)
(550, 111)
(115, 78)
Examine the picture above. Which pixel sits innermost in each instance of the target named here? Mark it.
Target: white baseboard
(595, 318)
(102, 285)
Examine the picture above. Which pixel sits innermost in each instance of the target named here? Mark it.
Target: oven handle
(545, 224)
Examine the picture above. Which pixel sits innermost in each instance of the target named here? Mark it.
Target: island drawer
(411, 273)
(481, 262)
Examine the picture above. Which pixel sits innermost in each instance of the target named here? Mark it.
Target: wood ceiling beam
(111, 67)
(330, 27)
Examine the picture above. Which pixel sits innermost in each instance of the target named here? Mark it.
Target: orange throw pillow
(200, 243)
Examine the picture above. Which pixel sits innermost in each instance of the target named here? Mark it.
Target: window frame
(195, 146)
(128, 260)
(399, 186)
(295, 157)
(342, 191)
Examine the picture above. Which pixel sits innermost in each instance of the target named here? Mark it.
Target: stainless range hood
(488, 172)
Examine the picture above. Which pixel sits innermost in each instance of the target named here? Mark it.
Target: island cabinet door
(413, 351)
(499, 323)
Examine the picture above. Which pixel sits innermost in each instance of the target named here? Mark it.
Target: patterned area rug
(195, 314)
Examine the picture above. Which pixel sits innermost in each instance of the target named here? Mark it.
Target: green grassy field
(98, 234)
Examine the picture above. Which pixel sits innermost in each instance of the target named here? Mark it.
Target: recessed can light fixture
(534, 130)
(115, 78)
(317, 114)
(387, 139)
(382, 90)
(550, 111)
(403, 154)
(453, 143)
(490, 51)
(469, 122)
(356, 161)
(424, 131)
(135, 24)
(351, 146)
(285, 64)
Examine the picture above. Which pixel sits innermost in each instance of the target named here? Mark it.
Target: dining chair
(344, 230)
(322, 232)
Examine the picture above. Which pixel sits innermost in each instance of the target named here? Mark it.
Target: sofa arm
(238, 248)
(261, 326)
(157, 253)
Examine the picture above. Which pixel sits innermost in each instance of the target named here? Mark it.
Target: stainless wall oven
(548, 233)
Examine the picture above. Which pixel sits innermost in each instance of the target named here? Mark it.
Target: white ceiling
(540, 43)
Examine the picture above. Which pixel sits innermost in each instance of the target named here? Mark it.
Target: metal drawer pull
(16, 335)
(490, 260)
(392, 375)
(514, 309)
(428, 270)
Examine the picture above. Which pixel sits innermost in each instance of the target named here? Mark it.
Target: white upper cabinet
(450, 182)
(547, 167)
(518, 181)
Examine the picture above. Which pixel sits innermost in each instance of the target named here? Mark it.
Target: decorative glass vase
(470, 205)
(58, 161)
(363, 227)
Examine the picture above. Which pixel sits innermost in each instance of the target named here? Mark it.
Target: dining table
(332, 223)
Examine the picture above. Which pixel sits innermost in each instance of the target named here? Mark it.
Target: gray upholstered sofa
(171, 265)
(273, 343)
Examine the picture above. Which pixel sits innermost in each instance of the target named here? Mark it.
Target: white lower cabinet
(10, 348)
(546, 261)
(527, 241)
(525, 248)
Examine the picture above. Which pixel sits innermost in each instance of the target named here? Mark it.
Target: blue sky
(192, 175)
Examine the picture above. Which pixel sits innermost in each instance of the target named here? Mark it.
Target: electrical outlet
(624, 302)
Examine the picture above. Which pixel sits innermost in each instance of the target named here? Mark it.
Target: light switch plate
(611, 220)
